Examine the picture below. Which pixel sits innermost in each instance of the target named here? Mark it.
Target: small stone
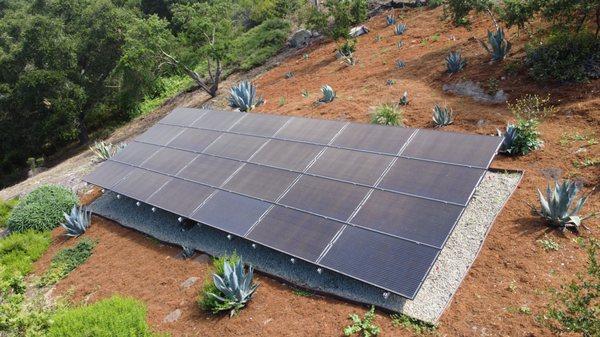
(189, 282)
(202, 258)
(173, 316)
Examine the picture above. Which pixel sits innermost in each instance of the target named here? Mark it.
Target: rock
(474, 90)
(202, 258)
(552, 173)
(189, 282)
(358, 31)
(173, 316)
(300, 38)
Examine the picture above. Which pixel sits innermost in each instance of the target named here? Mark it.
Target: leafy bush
(575, 307)
(560, 207)
(442, 116)
(243, 96)
(115, 316)
(364, 326)
(498, 47)
(18, 251)
(434, 3)
(455, 62)
(258, 44)
(42, 209)
(6, 208)
(460, 9)
(387, 114)
(522, 138)
(565, 57)
(66, 260)
(78, 221)
(337, 17)
(23, 318)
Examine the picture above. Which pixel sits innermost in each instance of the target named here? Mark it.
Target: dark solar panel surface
(294, 184)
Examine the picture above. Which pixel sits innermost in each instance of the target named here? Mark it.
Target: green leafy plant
(18, 251)
(243, 97)
(455, 62)
(532, 107)
(387, 114)
(442, 116)
(399, 29)
(364, 326)
(67, 260)
(77, 222)
(42, 209)
(414, 325)
(335, 18)
(574, 308)
(234, 288)
(521, 138)
(6, 208)
(560, 207)
(104, 150)
(328, 94)
(498, 47)
(548, 244)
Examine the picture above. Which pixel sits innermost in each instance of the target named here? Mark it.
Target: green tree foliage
(336, 18)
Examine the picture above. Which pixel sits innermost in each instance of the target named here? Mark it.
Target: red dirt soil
(512, 269)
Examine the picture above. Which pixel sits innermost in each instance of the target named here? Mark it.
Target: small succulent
(498, 47)
(404, 99)
(289, 74)
(236, 288)
(390, 20)
(400, 44)
(364, 326)
(305, 93)
(390, 82)
(400, 64)
(104, 150)
(243, 96)
(399, 29)
(455, 62)
(442, 116)
(77, 222)
(560, 206)
(328, 94)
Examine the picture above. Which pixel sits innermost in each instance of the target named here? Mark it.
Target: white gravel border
(437, 290)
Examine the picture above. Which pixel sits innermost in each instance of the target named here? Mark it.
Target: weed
(493, 86)
(6, 208)
(524, 310)
(412, 324)
(288, 75)
(522, 138)
(532, 107)
(302, 293)
(390, 82)
(586, 162)
(364, 326)
(18, 251)
(281, 101)
(548, 244)
(512, 286)
(66, 260)
(305, 93)
(387, 114)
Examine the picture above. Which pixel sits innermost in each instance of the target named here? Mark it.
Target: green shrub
(434, 3)
(6, 208)
(258, 44)
(115, 316)
(42, 209)
(521, 138)
(387, 114)
(566, 57)
(205, 302)
(18, 251)
(336, 18)
(66, 260)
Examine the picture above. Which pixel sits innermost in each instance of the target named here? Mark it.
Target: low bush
(42, 209)
(115, 316)
(258, 44)
(66, 260)
(565, 57)
(6, 208)
(387, 114)
(18, 251)
(521, 138)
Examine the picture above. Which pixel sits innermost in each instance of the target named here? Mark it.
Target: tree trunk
(84, 137)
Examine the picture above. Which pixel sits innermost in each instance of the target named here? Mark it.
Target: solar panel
(371, 202)
(300, 234)
(357, 167)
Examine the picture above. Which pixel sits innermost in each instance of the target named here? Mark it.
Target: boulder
(300, 38)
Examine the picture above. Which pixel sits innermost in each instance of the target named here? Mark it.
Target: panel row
(447, 147)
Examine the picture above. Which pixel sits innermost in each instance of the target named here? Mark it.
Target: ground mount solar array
(374, 203)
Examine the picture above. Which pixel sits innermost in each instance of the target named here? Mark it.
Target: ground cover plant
(363, 326)
(18, 251)
(414, 325)
(66, 260)
(42, 209)
(6, 208)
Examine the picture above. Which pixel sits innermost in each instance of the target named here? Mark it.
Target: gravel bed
(436, 292)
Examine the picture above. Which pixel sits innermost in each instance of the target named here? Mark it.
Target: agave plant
(77, 222)
(404, 99)
(509, 138)
(561, 206)
(389, 19)
(442, 116)
(328, 94)
(104, 150)
(455, 62)
(400, 64)
(498, 47)
(399, 29)
(236, 287)
(243, 96)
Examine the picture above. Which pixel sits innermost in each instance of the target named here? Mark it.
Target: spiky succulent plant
(404, 99)
(498, 47)
(77, 222)
(104, 150)
(400, 64)
(509, 138)
(455, 62)
(560, 207)
(390, 20)
(399, 29)
(243, 97)
(442, 116)
(328, 94)
(236, 288)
